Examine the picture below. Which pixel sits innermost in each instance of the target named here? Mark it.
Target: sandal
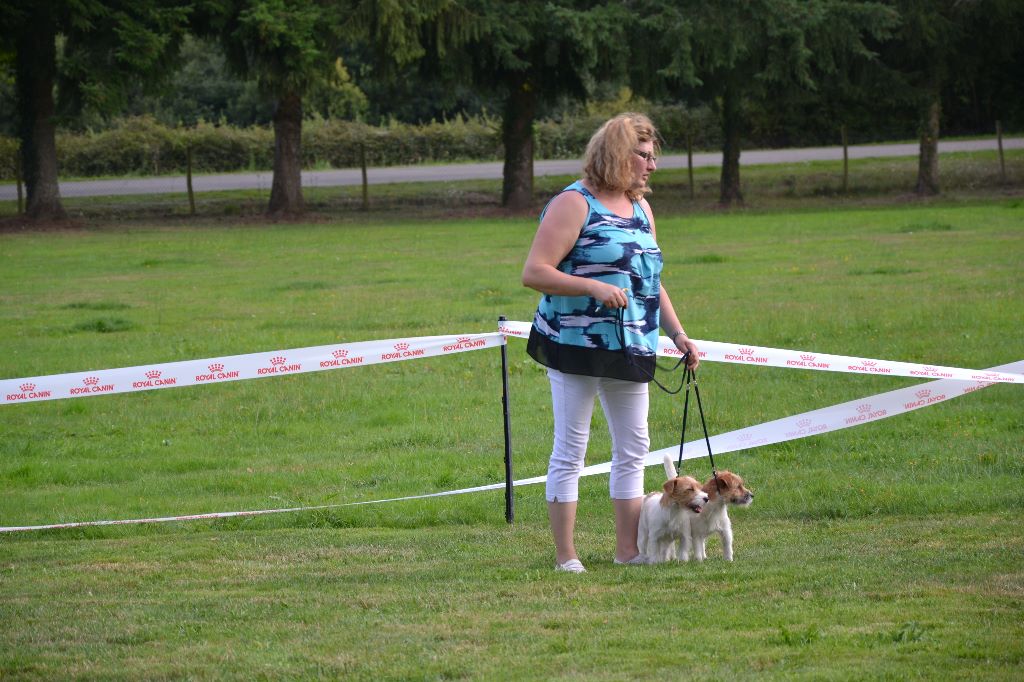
(571, 566)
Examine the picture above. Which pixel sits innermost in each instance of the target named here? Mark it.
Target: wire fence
(177, 194)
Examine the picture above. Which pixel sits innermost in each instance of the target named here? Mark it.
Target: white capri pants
(625, 405)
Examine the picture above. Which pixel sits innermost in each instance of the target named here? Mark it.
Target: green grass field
(892, 550)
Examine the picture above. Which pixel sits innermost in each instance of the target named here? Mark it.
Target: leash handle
(620, 330)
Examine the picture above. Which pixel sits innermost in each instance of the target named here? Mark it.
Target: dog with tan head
(666, 517)
(723, 490)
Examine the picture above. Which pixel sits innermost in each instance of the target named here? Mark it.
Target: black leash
(689, 378)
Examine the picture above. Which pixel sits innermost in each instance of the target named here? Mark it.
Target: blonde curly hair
(608, 161)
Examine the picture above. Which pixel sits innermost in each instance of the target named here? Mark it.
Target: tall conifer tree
(105, 47)
(736, 54)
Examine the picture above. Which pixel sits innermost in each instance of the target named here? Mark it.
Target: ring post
(510, 512)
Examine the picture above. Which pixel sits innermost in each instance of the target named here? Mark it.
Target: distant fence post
(689, 160)
(846, 157)
(366, 187)
(188, 179)
(1002, 159)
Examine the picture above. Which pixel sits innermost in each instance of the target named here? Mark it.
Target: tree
(281, 44)
(737, 54)
(35, 73)
(529, 54)
(95, 50)
(291, 48)
(203, 88)
(942, 44)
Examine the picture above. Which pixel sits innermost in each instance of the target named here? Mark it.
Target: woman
(596, 261)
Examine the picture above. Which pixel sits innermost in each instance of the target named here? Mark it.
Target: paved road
(474, 171)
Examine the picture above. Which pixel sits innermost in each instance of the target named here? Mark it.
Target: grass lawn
(892, 550)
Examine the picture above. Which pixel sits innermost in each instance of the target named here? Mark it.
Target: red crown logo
(864, 408)
(277, 360)
(401, 346)
(923, 394)
(153, 374)
(804, 423)
(745, 436)
(808, 357)
(746, 351)
(28, 387)
(340, 353)
(928, 369)
(216, 367)
(870, 363)
(91, 381)
(462, 339)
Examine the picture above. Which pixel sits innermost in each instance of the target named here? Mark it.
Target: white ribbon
(749, 354)
(238, 367)
(347, 355)
(841, 416)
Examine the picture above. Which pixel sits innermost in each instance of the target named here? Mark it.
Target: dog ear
(727, 479)
(670, 486)
(711, 488)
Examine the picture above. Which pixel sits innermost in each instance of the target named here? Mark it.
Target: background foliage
(143, 145)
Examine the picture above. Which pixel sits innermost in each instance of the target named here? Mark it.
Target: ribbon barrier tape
(952, 383)
(815, 422)
(716, 351)
(238, 367)
(348, 355)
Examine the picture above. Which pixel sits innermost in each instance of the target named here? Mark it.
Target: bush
(143, 146)
(567, 138)
(134, 146)
(676, 122)
(337, 143)
(221, 149)
(334, 143)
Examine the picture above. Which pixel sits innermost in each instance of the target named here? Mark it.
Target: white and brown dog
(727, 489)
(666, 518)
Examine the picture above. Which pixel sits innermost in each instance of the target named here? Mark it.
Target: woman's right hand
(609, 295)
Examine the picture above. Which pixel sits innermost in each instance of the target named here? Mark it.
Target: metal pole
(510, 512)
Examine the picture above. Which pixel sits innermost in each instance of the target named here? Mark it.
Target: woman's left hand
(685, 345)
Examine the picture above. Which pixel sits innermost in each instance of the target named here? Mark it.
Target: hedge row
(142, 146)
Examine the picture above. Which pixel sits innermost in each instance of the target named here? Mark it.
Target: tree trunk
(517, 136)
(286, 189)
(928, 161)
(731, 126)
(35, 70)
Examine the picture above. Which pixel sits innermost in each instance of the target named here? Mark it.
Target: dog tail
(670, 467)
(641, 533)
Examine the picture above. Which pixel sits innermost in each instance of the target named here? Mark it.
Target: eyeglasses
(649, 157)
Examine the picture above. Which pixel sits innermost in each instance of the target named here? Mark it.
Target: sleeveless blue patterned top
(578, 335)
